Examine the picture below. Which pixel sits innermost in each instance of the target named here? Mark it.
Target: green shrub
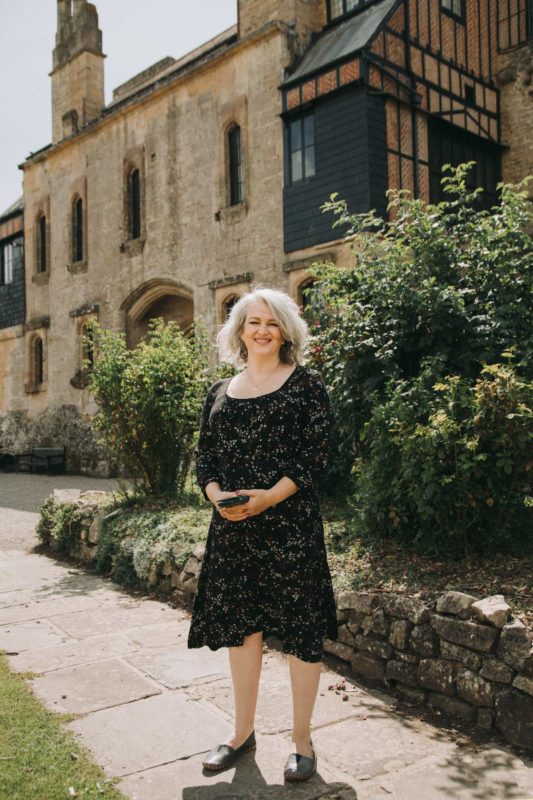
(446, 282)
(150, 400)
(59, 525)
(431, 428)
(450, 464)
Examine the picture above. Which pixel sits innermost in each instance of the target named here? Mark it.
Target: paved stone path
(149, 709)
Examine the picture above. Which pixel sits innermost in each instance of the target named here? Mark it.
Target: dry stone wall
(465, 656)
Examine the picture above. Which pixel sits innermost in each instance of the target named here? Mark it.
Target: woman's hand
(260, 500)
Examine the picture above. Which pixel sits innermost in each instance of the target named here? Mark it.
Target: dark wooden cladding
(349, 142)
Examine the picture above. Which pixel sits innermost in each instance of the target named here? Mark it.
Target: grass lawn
(39, 758)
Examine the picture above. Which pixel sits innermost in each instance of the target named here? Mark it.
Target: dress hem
(287, 648)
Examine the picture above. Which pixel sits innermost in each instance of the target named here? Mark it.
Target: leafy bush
(150, 400)
(436, 296)
(59, 525)
(446, 282)
(449, 464)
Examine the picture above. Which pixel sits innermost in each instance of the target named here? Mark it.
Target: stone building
(207, 172)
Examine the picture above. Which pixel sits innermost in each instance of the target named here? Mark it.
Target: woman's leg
(305, 677)
(245, 663)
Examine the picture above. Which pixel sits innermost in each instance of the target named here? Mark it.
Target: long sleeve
(307, 467)
(205, 456)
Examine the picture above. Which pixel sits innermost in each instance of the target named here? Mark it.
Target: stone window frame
(231, 115)
(42, 209)
(227, 288)
(232, 297)
(78, 191)
(304, 283)
(134, 159)
(80, 379)
(32, 385)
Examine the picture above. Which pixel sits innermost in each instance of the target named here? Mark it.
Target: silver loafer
(299, 767)
(223, 755)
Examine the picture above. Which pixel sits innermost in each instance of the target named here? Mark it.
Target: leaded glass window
(301, 147)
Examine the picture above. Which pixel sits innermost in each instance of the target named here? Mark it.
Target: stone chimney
(305, 16)
(78, 68)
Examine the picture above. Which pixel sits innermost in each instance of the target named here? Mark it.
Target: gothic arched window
(235, 165)
(77, 230)
(42, 245)
(134, 189)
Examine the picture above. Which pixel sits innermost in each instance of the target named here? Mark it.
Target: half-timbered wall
(432, 64)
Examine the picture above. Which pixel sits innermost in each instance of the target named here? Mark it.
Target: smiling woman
(265, 433)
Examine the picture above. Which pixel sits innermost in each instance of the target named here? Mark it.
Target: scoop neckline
(266, 394)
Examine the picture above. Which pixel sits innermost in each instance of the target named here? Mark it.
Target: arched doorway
(157, 298)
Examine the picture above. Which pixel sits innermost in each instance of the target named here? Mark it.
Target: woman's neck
(262, 366)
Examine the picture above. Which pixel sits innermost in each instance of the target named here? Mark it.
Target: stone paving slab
(490, 774)
(150, 732)
(175, 667)
(72, 653)
(74, 582)
(30, 635)
(91, 687)
(37, 570)
(370, 746)
(160, 635)
(258, 775)
(274, 704)
(106, 620)
(46, 608)
(9, 599)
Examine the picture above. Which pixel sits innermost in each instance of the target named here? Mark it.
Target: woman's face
(261, 332)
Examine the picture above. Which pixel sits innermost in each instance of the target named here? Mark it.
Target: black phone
(238, 500)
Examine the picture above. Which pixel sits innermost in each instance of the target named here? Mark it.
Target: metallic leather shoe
(299, 767)
(223, 755)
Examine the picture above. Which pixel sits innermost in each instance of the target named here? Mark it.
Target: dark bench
(49, 458)
(7, 461)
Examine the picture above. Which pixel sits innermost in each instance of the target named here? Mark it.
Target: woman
(265, 434)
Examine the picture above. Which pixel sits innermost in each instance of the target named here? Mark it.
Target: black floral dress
(268, 572)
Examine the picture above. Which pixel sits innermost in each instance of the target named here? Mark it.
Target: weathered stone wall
(306, 16)
(57, 426)
(466, 656)
(515, 79)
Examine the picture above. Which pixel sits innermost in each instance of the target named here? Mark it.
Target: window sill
(133, 247)
(35, 388)
(232, 214)
(77, 266)
(40, 278)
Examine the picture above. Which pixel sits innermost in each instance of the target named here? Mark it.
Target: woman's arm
(205, 457)
(308, 465)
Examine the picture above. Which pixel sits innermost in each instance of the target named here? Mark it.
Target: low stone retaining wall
(463, 655)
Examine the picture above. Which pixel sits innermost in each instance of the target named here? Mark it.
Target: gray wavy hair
(285, 311)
